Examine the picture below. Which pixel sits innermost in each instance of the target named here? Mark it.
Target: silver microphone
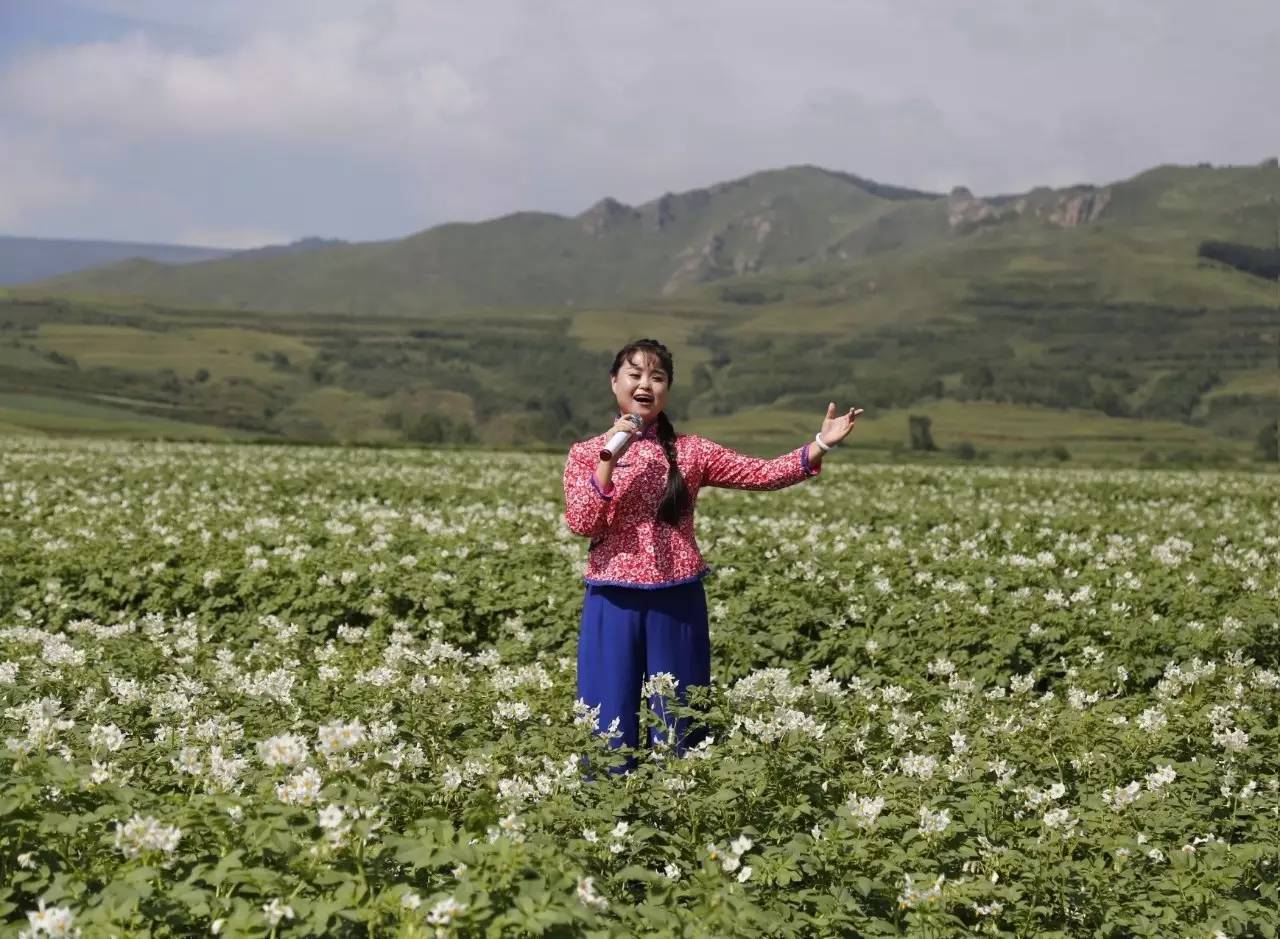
(619, 442)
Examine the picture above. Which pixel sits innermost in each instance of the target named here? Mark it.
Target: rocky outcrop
(1080, 209)
(735, 248)
(964, 209)
(1071, 209)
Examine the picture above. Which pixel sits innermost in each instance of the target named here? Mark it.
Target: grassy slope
(526, 259)
(988, 426)
(882, 265)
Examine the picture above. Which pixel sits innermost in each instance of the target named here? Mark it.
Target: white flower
(1121, 796)
(410, 901)
(301, 788)
(1059, 818)
(744, 874)
(1232, 740)
(1152, 720)
(107, 737)
(283, 750)
(1161, 778)
(330, 817)
(660, 683)
(276, 911)
(339, 737)
(141, 835)
(188, 762)
(51, 921)
(921, 766)
(863, 810)
(934, 823)
(671, 871)
(741, 845)
(587, 894)
(913, 896)
(444, 911)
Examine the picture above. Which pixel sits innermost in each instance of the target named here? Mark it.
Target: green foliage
(921, 435)
(1269, 442)
(946, 702)
(1261, 262)
(438, 428)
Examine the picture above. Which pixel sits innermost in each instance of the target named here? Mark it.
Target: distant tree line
(1261, 262)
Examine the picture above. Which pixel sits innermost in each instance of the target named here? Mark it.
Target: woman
(645, 611)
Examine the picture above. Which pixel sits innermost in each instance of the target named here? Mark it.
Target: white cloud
(33, 180)
(398, 114)
(326, 83)
(234, 238)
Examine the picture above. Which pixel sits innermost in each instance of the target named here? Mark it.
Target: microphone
(619, 442)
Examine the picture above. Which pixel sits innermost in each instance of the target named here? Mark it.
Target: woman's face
(641, 386)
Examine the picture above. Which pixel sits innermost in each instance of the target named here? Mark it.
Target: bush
(921, 434)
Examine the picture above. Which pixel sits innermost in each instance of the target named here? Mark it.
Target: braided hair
(675, 501)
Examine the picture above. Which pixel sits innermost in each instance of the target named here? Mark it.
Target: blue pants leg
(628, 634)
(677, 642)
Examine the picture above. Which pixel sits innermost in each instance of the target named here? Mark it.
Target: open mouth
(643, 399)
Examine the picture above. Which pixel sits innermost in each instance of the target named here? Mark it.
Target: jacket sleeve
(586, 505)
(729, 469)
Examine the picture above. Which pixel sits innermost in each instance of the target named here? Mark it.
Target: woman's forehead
(642, 360)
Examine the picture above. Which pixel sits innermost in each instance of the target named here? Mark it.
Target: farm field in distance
(277, 690)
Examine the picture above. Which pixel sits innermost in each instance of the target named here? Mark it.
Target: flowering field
(261, 691)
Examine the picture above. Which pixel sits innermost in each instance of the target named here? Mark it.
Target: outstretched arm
(730, 469)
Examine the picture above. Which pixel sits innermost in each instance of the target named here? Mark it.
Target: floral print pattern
(629, 546)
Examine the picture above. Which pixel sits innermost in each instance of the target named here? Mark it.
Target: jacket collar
(650, 431)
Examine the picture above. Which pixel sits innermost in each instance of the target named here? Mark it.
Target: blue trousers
(628, 634)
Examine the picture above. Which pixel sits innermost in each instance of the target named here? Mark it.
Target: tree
(1269, 442)
(437, 428)
(921, 435)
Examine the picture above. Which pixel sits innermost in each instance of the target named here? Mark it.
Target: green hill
(610, 252)
(799, 234)
(1084, 318)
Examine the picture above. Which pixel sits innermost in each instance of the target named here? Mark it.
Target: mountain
(1088, 320)
(611, 251)
(26, 260)
(796, 234)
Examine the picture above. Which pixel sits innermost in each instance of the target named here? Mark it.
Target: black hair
(675, 501)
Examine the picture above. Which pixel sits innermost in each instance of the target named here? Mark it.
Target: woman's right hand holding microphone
(627, 424)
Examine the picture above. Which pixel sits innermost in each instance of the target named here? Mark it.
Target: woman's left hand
(835, 429)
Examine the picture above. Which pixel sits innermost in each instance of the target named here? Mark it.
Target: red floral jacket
(629, 546)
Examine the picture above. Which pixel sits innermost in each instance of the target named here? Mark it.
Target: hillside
(799, 234)
(26, 260)
(1079, 322)
(610, 252)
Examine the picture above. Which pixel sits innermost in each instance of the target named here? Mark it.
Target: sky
(236, 123)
